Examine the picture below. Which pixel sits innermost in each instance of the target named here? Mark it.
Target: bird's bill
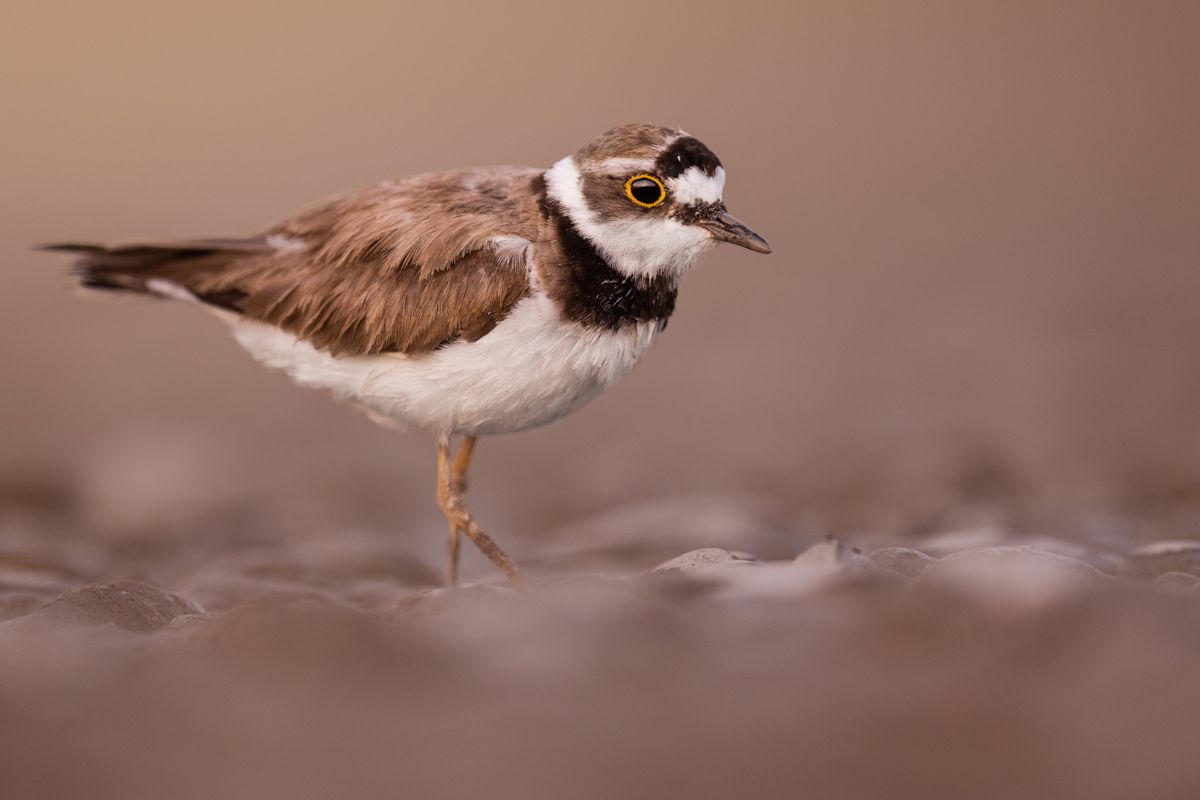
(725, 227)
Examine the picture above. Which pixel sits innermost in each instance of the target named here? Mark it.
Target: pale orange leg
(452, 481)
(458, 484)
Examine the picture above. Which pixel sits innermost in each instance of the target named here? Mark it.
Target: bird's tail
(174, 270)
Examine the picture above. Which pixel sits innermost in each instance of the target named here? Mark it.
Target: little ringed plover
(472, 302)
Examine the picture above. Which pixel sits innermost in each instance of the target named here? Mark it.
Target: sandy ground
(982, 660)
(978, 330)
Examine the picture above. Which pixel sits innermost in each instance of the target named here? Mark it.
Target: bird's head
(649, 199)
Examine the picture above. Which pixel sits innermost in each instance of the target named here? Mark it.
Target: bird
(466, 303)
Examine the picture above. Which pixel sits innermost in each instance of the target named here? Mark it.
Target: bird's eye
(646, 191)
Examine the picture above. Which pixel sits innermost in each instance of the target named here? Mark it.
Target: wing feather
(403, 266)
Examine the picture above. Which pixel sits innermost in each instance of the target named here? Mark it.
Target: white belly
(531, 369)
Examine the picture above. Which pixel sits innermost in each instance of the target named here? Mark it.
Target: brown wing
(403, 266)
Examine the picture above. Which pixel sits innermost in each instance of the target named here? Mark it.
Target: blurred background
(980, 329)
(983, 293)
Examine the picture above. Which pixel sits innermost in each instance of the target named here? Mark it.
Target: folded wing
(404, 266)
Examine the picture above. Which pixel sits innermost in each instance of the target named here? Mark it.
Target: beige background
(985, 281)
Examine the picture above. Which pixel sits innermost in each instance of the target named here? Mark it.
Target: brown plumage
(627, 141)
(403, 266)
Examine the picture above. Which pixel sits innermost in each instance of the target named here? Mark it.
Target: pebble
(824, 565)
(642, 535)
(832, 553)
(704, 558)
(956, 540)
(128, 605)
(904, 561)
(1012, 578)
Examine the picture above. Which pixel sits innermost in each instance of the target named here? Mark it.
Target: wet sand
(980, 661)
(978, 331)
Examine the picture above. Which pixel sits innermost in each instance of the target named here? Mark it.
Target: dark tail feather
(163, 270)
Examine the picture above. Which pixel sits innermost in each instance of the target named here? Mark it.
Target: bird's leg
(458, 485)
(451, 578)
(452, 478)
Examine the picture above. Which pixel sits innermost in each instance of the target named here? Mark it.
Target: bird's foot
(453, 505)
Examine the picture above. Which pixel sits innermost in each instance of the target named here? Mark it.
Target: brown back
(403, 266)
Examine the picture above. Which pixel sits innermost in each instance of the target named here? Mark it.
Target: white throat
(637, 247)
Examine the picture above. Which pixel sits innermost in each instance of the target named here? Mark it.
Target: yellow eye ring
(662, 190)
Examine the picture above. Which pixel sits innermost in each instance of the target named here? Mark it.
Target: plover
(466, 303)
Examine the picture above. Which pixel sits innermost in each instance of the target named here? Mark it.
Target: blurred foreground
(986, 662)
(979, 330)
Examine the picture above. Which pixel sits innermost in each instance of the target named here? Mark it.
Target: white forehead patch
(696, 186)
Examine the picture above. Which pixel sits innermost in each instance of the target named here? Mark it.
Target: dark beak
(725, 227)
